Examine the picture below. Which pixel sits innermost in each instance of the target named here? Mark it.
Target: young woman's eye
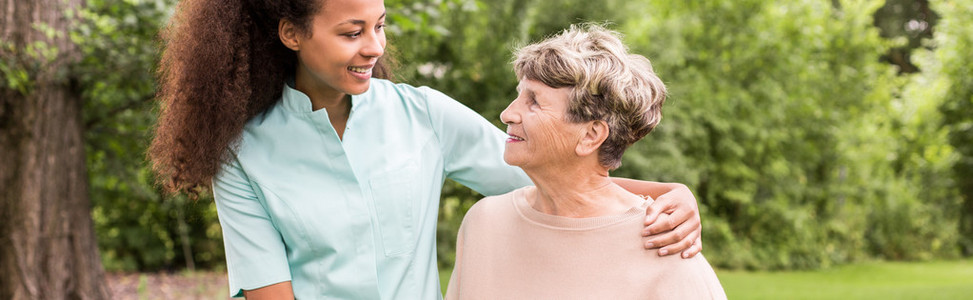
(379, 27)
(353, 34)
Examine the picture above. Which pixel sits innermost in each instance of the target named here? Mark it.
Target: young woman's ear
(288, 33)
(595, 133)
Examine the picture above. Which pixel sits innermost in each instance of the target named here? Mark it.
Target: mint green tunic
(352, 218)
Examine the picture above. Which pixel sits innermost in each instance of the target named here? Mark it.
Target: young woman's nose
(374, 45)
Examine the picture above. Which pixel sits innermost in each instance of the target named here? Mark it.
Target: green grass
(876, 280)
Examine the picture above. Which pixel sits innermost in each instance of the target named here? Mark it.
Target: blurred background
(829, 141)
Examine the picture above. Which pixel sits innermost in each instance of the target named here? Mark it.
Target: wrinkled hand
(672, 223)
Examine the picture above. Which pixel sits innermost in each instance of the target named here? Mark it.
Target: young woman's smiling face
(346, 39)
(538, 127)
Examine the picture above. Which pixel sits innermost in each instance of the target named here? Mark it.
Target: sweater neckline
(575, 224)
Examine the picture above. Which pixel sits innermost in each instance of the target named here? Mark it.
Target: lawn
(876, 280)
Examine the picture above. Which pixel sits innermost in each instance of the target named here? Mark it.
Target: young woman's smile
(362, 72)
(344, 42)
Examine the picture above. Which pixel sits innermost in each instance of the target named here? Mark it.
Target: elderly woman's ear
(595, 133)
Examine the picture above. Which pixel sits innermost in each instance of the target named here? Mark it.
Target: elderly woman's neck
(579, 194)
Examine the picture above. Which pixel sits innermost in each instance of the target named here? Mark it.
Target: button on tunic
(353, 218)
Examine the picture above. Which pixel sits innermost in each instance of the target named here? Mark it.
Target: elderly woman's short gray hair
(607, 83)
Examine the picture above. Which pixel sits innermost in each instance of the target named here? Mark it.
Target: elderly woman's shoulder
(492, 203)
(495, 206)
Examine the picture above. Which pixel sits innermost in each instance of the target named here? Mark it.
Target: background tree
(808, 141)
(954, 63)
(783, 117)
(49, 247)
(137, 227)
(907, 23)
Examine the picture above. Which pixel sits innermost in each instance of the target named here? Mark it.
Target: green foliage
(907, 23)
(783, 122)
(456, 200)
(15, 75)
(804, 147)
(137, 227)
(954, 39)
(782, 117)
(22, 64)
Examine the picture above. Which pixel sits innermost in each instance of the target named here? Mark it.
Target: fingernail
(685, 255)
(663, 252)
(649, 245)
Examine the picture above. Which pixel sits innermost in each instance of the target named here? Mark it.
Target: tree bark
(47, 243)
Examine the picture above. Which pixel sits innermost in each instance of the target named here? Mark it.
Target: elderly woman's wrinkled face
(537, 123)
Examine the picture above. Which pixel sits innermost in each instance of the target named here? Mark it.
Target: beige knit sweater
(508, 250)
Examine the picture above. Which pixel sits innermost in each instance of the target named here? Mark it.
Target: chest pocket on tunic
(395, 197)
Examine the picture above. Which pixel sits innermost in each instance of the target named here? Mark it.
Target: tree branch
(117, 110)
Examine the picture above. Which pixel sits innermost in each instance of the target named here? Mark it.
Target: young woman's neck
(578, 192)
(322, 95)
(337, 104)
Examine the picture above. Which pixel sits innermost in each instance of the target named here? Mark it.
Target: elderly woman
(582, 99)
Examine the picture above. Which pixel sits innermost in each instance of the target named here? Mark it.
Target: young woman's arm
(255, 254)
(277, 291)
(472, 147)
(672, 221)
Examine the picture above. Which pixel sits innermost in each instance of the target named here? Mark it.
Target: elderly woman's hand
(673, 223)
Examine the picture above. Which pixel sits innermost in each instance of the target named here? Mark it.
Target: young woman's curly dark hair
(222, 64)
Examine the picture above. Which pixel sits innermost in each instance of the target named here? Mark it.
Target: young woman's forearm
(277, 291)
(649, 188)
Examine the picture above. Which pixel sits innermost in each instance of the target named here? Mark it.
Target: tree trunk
(47, 242)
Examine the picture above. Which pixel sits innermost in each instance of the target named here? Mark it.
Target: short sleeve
(255, 253)
(472, 147)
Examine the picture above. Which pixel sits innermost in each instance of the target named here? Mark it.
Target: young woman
(326, 178)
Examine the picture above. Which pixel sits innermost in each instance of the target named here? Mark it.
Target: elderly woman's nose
(507, 115)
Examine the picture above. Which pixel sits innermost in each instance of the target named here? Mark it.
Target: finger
(667, 238)
(681, 245)
(672, 220)
(660, 206)
(696, 248)
(663, 223)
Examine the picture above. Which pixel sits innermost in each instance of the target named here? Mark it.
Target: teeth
(359, 70)
(516, 138)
